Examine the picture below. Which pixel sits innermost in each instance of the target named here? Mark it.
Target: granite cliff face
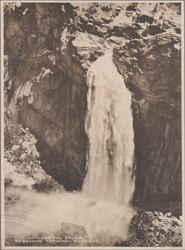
(50, 48)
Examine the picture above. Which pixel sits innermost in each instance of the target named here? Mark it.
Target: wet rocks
(154, 229)
(74, 230)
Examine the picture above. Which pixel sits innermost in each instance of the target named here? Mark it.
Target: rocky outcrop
(153, 75)
(154, 229)
(152, 70)
(48, 88)
(22, 168)
(50, 48)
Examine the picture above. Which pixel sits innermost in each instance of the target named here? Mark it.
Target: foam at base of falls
(37, 212)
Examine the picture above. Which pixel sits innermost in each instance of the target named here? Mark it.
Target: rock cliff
(49, 49)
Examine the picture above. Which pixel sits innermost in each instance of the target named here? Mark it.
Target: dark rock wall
(155, 81)
(48, 88)
(50, 48)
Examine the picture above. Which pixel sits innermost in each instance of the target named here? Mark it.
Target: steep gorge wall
(155, 80)
(50, 49)
(48, 88)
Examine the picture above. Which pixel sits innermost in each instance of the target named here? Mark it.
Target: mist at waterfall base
(103, 206)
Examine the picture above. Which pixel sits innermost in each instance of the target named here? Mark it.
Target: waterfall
(109, 126)
(103, 206)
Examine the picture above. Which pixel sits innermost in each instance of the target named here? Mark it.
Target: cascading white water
(103, 206)
(109, 125)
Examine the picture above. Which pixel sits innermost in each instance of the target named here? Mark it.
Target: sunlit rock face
(50, 49)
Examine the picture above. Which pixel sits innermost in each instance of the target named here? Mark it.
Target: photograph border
(2, 128)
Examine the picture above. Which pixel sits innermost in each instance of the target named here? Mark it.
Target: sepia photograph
(92, 124)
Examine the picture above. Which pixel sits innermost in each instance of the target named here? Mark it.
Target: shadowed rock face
(155, 80)
(52, 96)
(50, 48)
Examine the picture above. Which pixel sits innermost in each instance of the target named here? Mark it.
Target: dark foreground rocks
(154, 229)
